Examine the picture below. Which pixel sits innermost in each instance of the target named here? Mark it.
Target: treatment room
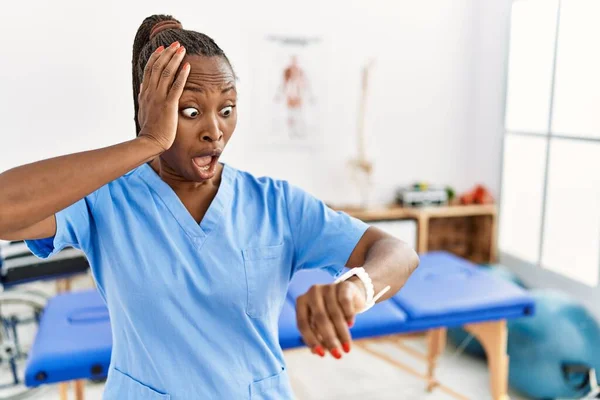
(310, 200)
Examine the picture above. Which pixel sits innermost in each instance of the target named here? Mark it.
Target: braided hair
(162, 30)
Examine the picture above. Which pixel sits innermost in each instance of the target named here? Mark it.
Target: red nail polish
(174, 44)
(346, 347)
(350, 324)
(186, 65)
(160, 49)
(180, 50)
(336, 353)
(319, 350)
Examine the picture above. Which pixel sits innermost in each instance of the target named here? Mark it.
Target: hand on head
(159, 95)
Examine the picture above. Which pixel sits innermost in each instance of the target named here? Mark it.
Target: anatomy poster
(289, 84)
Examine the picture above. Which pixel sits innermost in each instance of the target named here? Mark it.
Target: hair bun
(163, 26)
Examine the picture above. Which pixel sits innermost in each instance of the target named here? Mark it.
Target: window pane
(532, 36)
(521, 198)
(572, 222)
(577, 86)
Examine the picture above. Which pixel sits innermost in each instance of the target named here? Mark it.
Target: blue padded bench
(19, 266)
(74, 342)
(445, 291)
(449, 291)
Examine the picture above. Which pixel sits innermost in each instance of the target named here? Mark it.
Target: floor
(358, 376)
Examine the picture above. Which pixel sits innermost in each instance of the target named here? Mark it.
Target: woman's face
(207, 119)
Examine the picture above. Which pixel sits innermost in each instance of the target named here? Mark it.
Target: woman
(193, 257)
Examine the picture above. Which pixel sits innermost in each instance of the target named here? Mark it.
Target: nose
(212, 132)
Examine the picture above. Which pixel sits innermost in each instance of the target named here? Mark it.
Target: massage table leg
(493, 337)
(63, 389)
(63, 285)
(436, 342)
(79, 387)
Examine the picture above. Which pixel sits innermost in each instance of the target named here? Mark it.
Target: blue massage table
(17, 267)
(74, 339)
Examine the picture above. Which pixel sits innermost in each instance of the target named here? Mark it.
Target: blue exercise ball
(503, 272)
(552, 351)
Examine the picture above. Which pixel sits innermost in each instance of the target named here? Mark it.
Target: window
(550, 200)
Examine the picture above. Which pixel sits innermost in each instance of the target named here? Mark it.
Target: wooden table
(469, 231)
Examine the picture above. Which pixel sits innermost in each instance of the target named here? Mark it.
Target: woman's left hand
(325, 313)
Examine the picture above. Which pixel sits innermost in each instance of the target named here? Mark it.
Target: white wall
(489, 85)
(66, 84)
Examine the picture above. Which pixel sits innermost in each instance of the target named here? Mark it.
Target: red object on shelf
(479, 195)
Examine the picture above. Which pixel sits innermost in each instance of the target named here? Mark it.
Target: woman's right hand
(159, 95)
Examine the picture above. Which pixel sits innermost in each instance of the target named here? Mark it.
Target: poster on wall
(289, 83)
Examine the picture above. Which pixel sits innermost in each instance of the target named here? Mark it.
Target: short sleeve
(72, 230)
(322, 237)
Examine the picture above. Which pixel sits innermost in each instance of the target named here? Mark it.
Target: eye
(190, 112)
(226, 111)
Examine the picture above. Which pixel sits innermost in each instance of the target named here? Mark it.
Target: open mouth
(206, 165)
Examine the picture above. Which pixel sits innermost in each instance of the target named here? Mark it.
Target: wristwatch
(364, 277)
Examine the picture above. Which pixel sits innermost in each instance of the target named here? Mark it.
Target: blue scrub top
(194, 307)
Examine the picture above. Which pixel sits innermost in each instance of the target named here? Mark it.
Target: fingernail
(180, 50)
(161, 48)
(346, 347)
(174, 44)
(336, 353)
(319, 350)
(350, 324)
(186, 65)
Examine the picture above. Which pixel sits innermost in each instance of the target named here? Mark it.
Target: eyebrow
(201, 89)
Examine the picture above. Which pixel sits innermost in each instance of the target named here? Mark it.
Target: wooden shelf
(379, 214)
(459, 211)
(466, 230)
(394, 212)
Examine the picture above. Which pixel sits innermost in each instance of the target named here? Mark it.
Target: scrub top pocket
(271, 388)
(263, 266)
(122, 386)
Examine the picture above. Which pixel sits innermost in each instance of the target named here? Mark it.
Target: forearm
(33, 192)
(389, 261)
